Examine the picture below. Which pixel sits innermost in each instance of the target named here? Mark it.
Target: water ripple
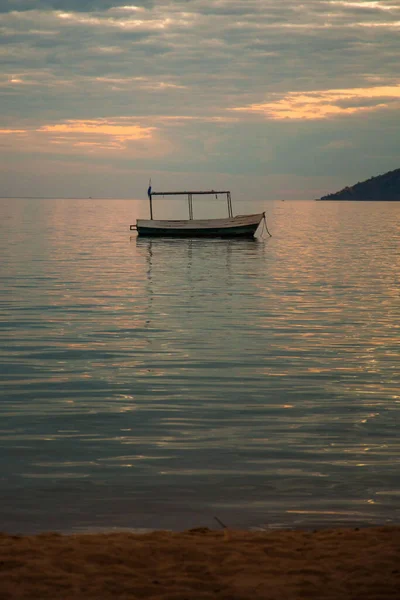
(155, 383)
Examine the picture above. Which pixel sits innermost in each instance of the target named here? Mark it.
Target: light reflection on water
(157, 383)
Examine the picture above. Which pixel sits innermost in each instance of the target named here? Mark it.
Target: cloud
(75, 5)
(210, 84)
(119, 131)
(327, 103)
(73, 135)
(11, 131)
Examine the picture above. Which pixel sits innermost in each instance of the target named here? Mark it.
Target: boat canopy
(190, 195)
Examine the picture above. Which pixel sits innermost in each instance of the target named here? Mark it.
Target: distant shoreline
(66, 198)
(356, 200)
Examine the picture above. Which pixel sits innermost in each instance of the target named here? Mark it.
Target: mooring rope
(265, 225)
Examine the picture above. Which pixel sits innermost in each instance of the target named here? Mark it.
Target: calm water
(159, 384)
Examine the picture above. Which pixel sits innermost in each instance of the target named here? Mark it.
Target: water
(160, 383)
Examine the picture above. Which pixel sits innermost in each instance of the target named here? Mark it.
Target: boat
(240, 226)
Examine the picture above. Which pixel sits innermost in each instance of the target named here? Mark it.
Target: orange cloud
(101, 128)
(326, 104)
(99, 136)
(11, 131)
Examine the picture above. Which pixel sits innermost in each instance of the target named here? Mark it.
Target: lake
(162, 383)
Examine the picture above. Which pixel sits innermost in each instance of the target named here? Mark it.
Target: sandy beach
(200, 564)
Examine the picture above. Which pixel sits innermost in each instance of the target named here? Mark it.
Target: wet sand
(357, 564)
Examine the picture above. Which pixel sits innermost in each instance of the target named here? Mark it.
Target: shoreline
(200, 564)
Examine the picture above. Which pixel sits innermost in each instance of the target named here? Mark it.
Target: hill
(382, 187)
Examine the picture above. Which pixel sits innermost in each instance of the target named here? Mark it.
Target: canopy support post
(229, 200)
(190, 201)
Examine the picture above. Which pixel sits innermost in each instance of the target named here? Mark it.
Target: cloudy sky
(272, 98)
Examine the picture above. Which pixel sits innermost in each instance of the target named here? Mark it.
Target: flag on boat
(149, 191)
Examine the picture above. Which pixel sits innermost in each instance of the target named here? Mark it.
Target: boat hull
(244, 226)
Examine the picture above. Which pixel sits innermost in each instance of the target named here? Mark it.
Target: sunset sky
(270, 98)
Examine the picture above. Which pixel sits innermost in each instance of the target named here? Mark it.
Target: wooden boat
(241, 226)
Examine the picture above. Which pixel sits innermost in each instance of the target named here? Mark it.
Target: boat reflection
(193, 280)
(222, 250)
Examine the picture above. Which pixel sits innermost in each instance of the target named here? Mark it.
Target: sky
(273, 99)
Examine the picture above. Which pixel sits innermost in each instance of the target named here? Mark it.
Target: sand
(201, 564)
